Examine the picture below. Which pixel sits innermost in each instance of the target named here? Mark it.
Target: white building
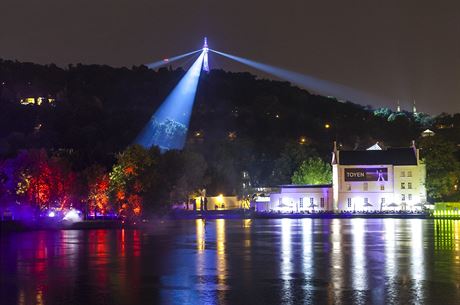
(298, 199)
(392, 179)
(365, 180)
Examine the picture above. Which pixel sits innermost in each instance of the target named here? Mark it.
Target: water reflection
(337, 276)
(286, 261)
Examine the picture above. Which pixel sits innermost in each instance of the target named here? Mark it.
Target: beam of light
(309, 82)
(165, 61)
(168, 127)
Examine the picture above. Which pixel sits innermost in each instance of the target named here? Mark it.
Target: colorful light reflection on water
(286, 261)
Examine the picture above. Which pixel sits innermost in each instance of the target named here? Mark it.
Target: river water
(276, 261)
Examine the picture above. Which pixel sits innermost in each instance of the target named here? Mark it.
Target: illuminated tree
(131, 177)
(97, 184)
(313, 171)
(43, 182)
(290, 160)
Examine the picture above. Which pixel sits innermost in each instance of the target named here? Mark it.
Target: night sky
(393, 50)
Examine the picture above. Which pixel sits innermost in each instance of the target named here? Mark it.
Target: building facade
(378, 180)
(299, 199)
(364, 180)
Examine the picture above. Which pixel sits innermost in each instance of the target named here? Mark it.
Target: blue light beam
(309, 82)
(157, 64)
(168, 127)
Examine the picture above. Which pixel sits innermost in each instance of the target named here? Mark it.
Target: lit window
(366, 186)
(382, 187)
(403, 197)
(403, 185)
(322, 202)
(409, 197)
(409, 185)
(403, 174)
(409, 173)
(301, 203)
(349, 202)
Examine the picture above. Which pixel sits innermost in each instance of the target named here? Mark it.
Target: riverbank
(13, 225)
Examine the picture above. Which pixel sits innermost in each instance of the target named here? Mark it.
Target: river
(271, 261)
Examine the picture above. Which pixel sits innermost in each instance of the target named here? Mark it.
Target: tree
(97, 185)
(313, 171)
(131, 177)
(442, 167)
(43, 182)
(291, 158)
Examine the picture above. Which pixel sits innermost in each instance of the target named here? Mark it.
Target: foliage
(34, 178)
(313, 171)
(442, 167)
(97, 186)
(129, 179)
(292, 156)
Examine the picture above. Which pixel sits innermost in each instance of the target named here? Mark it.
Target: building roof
(393, 156)
(304, 186)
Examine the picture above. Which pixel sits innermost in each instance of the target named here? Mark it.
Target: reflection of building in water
(200, 237)
(446, 234)
(337, 271)
(221, 255)
(417, 257)
(365, 180)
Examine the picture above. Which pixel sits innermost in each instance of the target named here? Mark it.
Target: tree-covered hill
(240, 123)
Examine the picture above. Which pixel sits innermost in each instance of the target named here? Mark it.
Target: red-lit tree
(43, 182)
(97, 184)
(130, 177)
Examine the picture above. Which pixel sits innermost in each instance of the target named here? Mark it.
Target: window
(409, 173)
(382, 187)
(349, 202)
(403, 185)
(348, 187)
(301, 203)
(366, 200)
(409, 185)
(366, 186)
(382, 201)
(403, 174)
(409, 197)
(321, 200)
(403, 197)
(311, 201)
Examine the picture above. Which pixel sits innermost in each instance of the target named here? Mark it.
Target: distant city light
(327, 126)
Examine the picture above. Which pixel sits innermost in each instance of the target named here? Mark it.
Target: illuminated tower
(414, 108)
(398, 107)
(205, 52)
